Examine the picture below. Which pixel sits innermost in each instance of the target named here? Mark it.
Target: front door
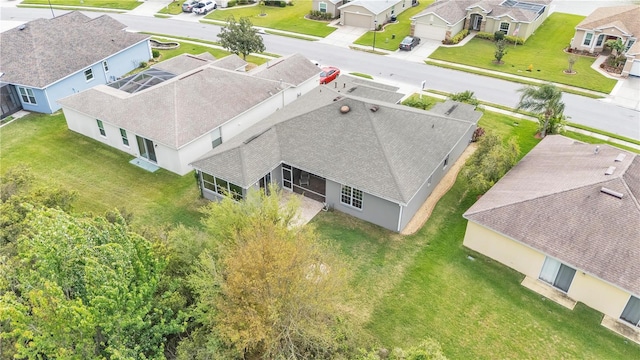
(287, 177)
(477, 21)
(146, 148)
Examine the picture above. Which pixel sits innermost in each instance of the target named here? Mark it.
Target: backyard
(404, 288)
(288, 18)
(542, 51)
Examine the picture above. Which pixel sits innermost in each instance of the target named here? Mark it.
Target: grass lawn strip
(544, 51)
(173, 8)
(288, 18)
(106, 4)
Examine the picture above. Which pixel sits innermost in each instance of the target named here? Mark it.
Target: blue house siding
(41, 105)
(119, 64)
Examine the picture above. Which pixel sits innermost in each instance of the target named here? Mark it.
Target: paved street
(403, 69)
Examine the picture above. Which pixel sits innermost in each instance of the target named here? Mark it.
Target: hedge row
(457, 38)
(510, 39)
(319, 15)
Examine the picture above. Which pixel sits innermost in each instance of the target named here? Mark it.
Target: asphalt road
(407, 75)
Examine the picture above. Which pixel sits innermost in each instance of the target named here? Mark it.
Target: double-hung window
(88, 74)
(351, 196)
(27, 95)
(101, 127)
(557, 274)
(125, 138)
(587, 39)
(504, 28)
(105, 65)
(323, 7)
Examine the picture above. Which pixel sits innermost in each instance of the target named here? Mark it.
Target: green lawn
(288, 18)
(544, 51)
(385, 38)
(173, 8)
(196, 49)
(409, 288)
(107, 4)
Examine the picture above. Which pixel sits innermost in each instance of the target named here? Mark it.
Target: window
(446, 162)
(600, 40)
(125, 139)
(101, 127)
(587, 39)
(630, 43)
(504, 28)
(88, 74)
(27, 96)
(105, 65)
(216, 139)
(351, 197)
(323, 7)
(631, 312)
(557, 274)
(221, 187)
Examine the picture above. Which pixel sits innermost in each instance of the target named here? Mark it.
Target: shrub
(155, 53)
(232, 3)
(283, 3)
(457, 38)
(318, 15)
(143, 64)
(415, 101)
(467, 97)
(514, 40)
(498, 35)
(484, 35)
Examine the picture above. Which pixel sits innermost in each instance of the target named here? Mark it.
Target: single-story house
(369, 13)
(47, 59)
(179, 109)
(443, 19)
(348, 145)
(567, 217)
(611, 23)
(327, 6)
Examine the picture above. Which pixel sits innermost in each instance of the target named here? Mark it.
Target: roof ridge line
(631, 195)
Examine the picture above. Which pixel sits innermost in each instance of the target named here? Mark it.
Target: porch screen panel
(564, 278)
(549, 270)
(631, 312)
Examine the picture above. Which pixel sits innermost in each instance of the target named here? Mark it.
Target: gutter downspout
(399, 218)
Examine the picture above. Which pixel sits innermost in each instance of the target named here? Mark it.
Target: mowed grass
(173, 8)
(100, 174)
(408, 288)
(288, 18)
(199, 48)
(544, 51)
(106, 4)
(384, 38)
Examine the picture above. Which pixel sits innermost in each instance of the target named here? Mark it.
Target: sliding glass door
(147, 149)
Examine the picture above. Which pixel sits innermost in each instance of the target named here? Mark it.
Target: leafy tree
(268, 290)
(501, 50)
(466, 97)
(544, 100)
(616, 45)
(428, 349)
(82, 288)
(490, 161)
(572, 60)
(240, 37)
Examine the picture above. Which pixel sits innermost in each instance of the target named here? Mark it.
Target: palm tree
(545, 100)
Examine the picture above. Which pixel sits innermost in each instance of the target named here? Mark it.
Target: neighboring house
(443, 19)
(567, 216)
(369, 13)
(611, 23)
(47, 59)
(327, 6)
(179, 109)
(348, 145)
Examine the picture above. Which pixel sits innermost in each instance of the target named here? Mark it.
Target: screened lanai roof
(524, 5)
(142, 80)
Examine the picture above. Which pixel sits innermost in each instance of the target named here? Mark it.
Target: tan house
(568, 218)
(371, 13)
(611, 23)
(444, 19)
(327, 6)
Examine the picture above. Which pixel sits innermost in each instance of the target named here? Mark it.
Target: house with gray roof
(367, 13)
(176, 111)
(443, 19)
(47, 59)
(327, 6)
(568, 218)
(611, 23)
(365, 156)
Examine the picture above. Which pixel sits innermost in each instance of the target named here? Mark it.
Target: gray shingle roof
(626, 17)
(182, 63)
(452, 11)
(294, 70)
(552, 202)
(374, 6)
(58, 47)
(389, 153)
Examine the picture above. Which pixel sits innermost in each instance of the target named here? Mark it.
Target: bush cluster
(280, 3)
(231, 3)
(457, 38)
(508, 38)
(318, 15)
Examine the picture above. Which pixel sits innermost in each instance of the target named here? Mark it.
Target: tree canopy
(546, 101)
(490, 161)
(240, 37)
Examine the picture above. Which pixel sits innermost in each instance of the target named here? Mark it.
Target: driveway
(344, 36)
(626, 93)
(419, 53)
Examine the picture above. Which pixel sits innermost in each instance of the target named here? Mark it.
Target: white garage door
(635, 68)
(359, 20)
(429, 32)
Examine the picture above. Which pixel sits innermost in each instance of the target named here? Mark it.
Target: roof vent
(596, 150)
(337, 98)
(22, 27)
(620, 157)
(374, 108)
(352, 89)
(344, 109)
(612, 192)
(451, 109)
(610, 170)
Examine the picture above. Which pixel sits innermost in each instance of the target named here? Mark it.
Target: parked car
(409, 43)
(329, 74)
(208, 5)
(188, 5)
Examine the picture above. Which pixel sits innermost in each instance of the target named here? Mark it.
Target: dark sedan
(409, 43)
